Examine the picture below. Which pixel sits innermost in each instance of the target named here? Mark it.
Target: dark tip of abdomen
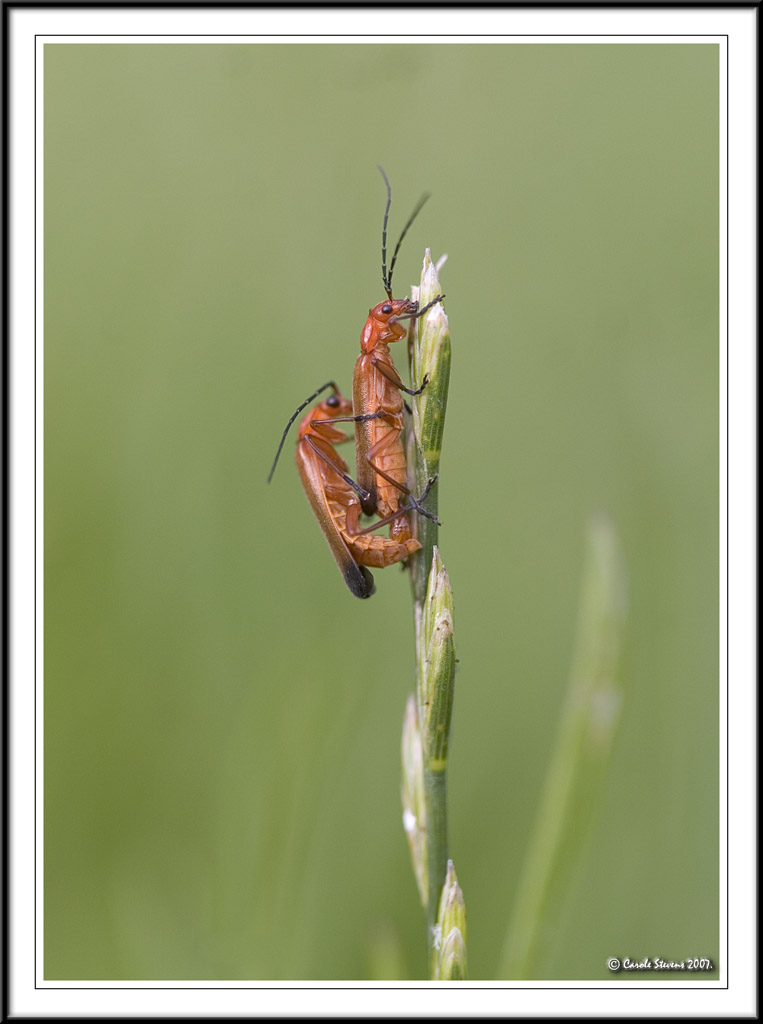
(359, 580)
(370, 502)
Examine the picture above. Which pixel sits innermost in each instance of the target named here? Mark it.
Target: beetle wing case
(358, 579)
(364, 397)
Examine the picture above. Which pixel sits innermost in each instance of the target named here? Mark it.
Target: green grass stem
(425, 745)
(580, 760)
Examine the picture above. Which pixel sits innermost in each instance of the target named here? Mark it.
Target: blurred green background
(222, 718)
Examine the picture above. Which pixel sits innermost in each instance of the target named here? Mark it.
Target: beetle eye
(333, 401)
(386, 308)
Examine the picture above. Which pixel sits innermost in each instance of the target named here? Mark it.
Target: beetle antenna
(307, 401)
(411, 219)
(384, 232)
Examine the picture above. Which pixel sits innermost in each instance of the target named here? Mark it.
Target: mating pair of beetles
(376, 410)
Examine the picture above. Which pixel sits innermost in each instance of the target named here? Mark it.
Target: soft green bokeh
(222, 718)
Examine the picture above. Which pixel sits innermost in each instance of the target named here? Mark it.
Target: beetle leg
(380, 449)
(396, 379)
(353, 515)
(422, 311)
(415, 506)
(417, 501)
(361, 492)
